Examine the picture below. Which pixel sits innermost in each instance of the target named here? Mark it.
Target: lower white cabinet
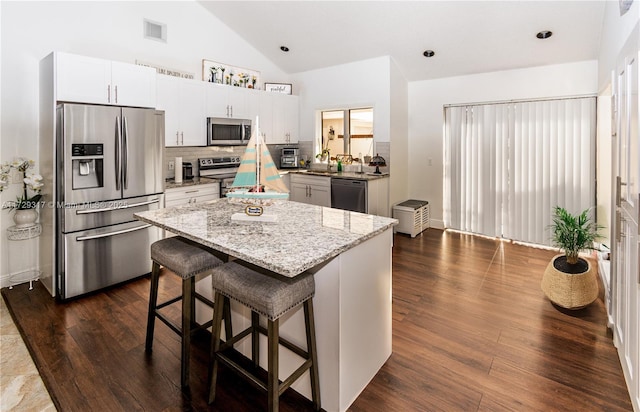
(191, 194)
(378, 197)
(314, 190)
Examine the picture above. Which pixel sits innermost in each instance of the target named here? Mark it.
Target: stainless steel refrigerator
(109, 166)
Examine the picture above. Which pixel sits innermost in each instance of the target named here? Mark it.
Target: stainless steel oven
(223, 168)
(223, 131)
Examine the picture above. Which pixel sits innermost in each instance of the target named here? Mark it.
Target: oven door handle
(109, 209)
(117, 232)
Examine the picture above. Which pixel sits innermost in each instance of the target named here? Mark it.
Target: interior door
(625, 254)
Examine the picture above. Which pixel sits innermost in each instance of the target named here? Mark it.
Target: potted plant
(570, 281)
(25, 205)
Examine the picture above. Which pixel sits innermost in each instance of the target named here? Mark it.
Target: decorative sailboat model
(257, 182)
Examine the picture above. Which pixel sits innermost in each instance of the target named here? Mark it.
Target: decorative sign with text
(167, 71)
(284, 88)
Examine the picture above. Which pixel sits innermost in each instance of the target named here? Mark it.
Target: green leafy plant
(573, 233)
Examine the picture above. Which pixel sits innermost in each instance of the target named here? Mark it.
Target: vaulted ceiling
(467, 36)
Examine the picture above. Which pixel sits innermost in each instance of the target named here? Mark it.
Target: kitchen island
(349, 254)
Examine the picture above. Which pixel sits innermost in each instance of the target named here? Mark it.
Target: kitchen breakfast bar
(349, 255)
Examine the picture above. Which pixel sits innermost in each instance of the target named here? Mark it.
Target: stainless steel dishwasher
(349, 194)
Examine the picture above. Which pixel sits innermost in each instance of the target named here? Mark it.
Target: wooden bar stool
(186, 259)
(271, 296)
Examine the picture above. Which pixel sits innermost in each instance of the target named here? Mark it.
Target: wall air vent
(155, 31)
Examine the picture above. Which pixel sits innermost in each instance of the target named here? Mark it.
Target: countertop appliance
(110, 166)
(223, 168)
(349, 194)
(289, 158)
(223, 131)
(187, 170)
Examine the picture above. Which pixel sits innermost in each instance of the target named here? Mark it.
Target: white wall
(111, 30)
(427, 98)
(615, 32)
(399, 170)
(360, 84)
(373, 83)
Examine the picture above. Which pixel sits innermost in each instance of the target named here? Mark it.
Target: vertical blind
(507, 165)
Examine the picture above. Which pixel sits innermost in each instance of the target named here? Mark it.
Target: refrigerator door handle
(109, 209)
(118, 153)
(125, 153)
(117, 232)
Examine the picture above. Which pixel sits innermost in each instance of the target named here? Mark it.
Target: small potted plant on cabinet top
(569, 280)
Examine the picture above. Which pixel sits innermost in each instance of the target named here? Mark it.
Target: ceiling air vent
(155, 31)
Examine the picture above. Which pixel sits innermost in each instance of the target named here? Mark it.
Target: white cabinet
(378, 197)
(183, 103)
(90, 80)
(191, 194)
(230, 102)
(314, 190)
(280, 112)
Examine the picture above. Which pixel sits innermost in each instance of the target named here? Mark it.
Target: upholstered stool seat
(186, 259)
(271, 296)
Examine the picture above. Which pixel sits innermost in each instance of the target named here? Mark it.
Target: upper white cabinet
(230, 102)
(281, 112)
(183, 102)
(84, 79)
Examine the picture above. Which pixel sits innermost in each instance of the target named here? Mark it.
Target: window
(347, 132)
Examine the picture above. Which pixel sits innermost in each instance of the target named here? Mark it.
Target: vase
(25, 217)
(570, 291)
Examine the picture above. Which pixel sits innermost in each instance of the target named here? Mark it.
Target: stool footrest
(204, 300)
(286, 343)
(169, 302)
(231, 364)
(169, 323)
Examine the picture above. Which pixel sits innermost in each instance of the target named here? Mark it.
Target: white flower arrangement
(31, 182)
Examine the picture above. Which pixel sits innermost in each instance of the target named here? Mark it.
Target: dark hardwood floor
(472, 331)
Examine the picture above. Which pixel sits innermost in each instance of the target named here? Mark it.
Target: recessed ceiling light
(284, 48)
(544, 34)
(429, 53)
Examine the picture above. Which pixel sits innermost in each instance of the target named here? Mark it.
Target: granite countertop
(171, 184)
(303, 236)
(340, 175)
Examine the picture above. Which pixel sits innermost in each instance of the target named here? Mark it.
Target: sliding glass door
(508, 164)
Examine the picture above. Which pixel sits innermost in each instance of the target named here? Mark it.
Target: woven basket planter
(570, 291)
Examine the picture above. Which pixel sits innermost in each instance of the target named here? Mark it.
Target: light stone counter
(340, 175)
(349, 255)
(304, 235)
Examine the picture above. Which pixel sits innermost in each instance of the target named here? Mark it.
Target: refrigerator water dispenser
(87, 166)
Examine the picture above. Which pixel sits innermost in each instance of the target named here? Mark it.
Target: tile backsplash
(193, 153)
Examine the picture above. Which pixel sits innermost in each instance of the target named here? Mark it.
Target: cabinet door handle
(177, 138)
(109, 93)
(192, 191)
(182, 138)
(231, 110)
(116, 92)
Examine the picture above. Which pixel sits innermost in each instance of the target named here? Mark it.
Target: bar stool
(271, 296)
(186, 259)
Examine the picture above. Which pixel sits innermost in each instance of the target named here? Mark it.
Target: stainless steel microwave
(223, 131)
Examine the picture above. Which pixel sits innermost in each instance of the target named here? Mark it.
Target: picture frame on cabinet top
(284, 88)
(221, 73)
